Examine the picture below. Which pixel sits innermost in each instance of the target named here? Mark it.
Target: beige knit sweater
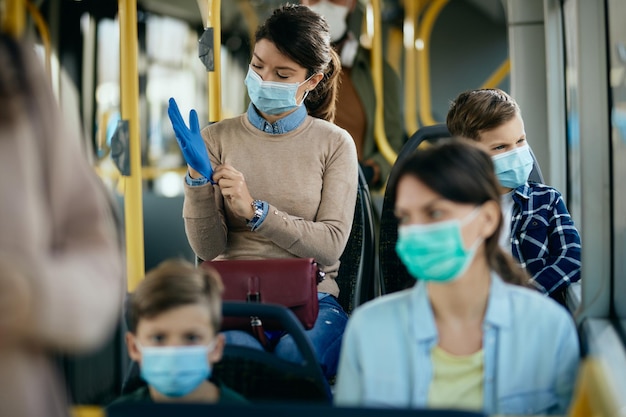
(308, 177)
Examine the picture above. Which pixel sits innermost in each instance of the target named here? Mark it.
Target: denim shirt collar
(285, 125)
(498, 313)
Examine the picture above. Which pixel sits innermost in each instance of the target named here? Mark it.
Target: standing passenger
(61, 279)
(537, 228)
(285, 178)
(464, 336)
(356, 101)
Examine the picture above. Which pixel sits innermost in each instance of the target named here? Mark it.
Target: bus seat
(164, 229)
(594, 394)
(95, 378)
(259, 375)
(357, 269)
(274, 410)
(393, 274)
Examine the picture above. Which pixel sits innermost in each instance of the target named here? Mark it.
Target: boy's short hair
(475, 111)
(176, 283)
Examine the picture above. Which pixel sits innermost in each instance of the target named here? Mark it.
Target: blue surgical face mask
(435, 252)
(513, 167)
(175, 371)
(272, 97)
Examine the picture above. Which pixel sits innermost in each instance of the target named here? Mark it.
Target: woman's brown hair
(461, 172)
(304, 36)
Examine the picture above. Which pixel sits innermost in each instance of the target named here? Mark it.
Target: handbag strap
(254, 296)
(254, 292)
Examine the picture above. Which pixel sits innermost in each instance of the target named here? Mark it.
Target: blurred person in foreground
(61, 275)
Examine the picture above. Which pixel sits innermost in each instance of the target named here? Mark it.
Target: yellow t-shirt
(457, 380)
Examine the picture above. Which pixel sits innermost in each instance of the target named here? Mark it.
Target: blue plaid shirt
(543, 237)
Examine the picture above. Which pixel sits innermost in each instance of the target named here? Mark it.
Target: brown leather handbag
(291, 282)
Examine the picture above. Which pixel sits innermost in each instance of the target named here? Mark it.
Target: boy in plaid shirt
(536, 227)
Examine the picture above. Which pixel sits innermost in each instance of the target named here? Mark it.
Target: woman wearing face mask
(285, 178)
(467, 335)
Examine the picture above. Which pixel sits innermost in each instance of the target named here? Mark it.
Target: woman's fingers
(234, 189)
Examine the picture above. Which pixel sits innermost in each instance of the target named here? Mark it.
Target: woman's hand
(234, 190)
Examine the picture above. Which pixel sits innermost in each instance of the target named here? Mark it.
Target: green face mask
(435, 252)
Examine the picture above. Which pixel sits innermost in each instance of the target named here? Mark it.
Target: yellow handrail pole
(377, 74)
(87, 411)
(44, 33)
(430, 16)
(250, 17)
(498, 75)
(213, 82)
(129, 91)
(14, 20)
(409, 28)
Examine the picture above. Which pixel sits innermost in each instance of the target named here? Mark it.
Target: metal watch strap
(257, 205)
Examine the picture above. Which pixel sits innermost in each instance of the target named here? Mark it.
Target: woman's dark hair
(476, 111)
(304, 36)
(461, 172)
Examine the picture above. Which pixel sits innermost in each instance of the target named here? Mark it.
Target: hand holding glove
(190, 140)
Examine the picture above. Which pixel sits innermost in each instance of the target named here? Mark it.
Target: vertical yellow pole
(410, 73)
(428, 21)
(129, 85)
(14, 20)
(214, 77)
(377, 74)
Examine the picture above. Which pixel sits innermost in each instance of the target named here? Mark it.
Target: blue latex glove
(190, 140)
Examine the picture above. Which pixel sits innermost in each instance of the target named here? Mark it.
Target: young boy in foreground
(174, 317)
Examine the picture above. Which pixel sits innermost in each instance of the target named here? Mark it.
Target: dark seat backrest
(274, 410)
(393, 274)
(357, 268)
(260, 375)
(164, 229)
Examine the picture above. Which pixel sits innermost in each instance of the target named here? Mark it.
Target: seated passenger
(356, 98)
(468, 335)
(174, 317)
(285, 179)
(537, 228)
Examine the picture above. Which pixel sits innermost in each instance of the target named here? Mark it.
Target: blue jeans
(325, 336)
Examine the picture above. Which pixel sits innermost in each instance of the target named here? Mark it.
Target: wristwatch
(257, 205)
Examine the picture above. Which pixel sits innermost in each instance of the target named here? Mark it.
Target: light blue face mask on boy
(513, 167)
(272, 97)
(175, 371)
(435, 252)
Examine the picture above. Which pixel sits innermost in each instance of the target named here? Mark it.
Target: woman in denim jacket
(465, 336)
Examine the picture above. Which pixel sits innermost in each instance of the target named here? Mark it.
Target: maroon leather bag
(291, 282)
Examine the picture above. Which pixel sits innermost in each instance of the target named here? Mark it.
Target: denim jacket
(531, 352)
(543, 237)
